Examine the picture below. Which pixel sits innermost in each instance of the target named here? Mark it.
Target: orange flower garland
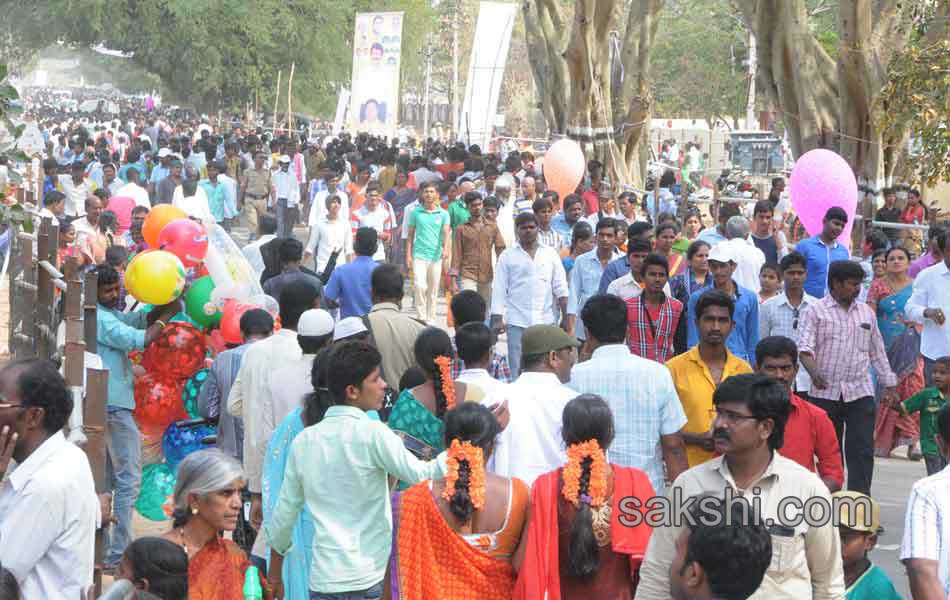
(459, 451)
(597, 487)
(444, 363)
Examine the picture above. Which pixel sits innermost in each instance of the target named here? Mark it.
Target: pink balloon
(122, 207)
(564, 167)
(822, 179)
(186, 239)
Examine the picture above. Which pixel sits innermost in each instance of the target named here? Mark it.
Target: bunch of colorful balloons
(175, 368)
(223, 286)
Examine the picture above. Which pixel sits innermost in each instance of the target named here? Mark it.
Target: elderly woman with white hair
(207, 502)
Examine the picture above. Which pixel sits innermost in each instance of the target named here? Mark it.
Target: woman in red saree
(207, 503)
(576, 547)
(453, 539)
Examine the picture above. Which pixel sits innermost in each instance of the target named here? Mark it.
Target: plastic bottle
(252, 584)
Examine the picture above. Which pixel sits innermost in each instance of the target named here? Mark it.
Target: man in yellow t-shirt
(698, 372)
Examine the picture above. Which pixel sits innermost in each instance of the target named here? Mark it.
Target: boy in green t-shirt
(928, 402)
(859, 518)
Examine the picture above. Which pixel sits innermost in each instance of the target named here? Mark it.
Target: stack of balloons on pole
(199, 265)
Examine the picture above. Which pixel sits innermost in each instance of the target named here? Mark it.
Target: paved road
(893, 478)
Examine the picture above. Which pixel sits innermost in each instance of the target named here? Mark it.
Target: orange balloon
(157, 219)
(564, 167)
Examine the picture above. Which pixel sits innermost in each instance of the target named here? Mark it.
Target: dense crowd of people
(649, 352)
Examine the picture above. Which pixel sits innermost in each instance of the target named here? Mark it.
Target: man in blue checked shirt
(745, 334)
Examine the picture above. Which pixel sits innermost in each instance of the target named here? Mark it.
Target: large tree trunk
(593, 79)
(795, 72)
(825, 104)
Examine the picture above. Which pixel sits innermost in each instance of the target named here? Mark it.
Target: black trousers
(854, 424)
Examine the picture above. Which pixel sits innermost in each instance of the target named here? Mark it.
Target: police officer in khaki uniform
(255, 191)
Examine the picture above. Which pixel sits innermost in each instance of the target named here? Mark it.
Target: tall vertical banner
(377, 51)
(486, 70)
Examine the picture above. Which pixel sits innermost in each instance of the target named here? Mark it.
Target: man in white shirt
(285, 389)
(529, 278)
(925, 549)
(266, 231)
(48, 505)
(133, 189)
(749, 259)
(255, 377)
(531, 445)
(930, 305)
(375, 215)
(474, 343)
(286, 196)
(318, 204)
(76, 187)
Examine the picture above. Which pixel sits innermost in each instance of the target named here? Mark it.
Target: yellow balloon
(155, 277)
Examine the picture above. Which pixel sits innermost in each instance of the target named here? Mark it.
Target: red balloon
(202, 271)
(178, 353)
(231, 321)
(186, 239)
(158, 402)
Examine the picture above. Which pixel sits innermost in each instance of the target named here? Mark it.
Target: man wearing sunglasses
(48, 504)
(782, 315)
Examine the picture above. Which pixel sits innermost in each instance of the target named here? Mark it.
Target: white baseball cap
(315, 322)
(164, 152)
(348, 327)
(721, 252)
(283, 158)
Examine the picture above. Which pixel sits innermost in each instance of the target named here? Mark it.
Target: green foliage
(698, 61)
(916, 98)
(217, 55)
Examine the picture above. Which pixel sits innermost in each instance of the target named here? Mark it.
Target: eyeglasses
(729, 416)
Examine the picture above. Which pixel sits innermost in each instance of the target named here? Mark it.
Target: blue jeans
(514, 350)
(124, 470)
(372, 593)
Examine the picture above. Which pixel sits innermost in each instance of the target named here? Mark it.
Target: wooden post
(74, 361)
(276, 100)
(23, 294)
(290, 95)
(96, 429)
(44, 291)
(90, 298)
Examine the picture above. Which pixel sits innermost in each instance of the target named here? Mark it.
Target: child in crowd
(859, 518)
(157, 567)
(928, 402)
(770, 280)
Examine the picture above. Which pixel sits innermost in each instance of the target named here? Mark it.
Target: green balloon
(158, 483)
(198, 302)
(190, 392)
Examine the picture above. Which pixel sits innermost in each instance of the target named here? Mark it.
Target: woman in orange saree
(207, 502)
(453, 539)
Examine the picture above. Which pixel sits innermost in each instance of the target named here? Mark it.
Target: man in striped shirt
(839, 343)
(925, 550)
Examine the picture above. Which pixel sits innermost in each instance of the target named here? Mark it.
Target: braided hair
(586, 417)
(473, 423)
(431, 344)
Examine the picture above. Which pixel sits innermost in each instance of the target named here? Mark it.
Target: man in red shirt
(810, 438)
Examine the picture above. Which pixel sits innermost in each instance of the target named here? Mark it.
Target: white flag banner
(486, 70)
